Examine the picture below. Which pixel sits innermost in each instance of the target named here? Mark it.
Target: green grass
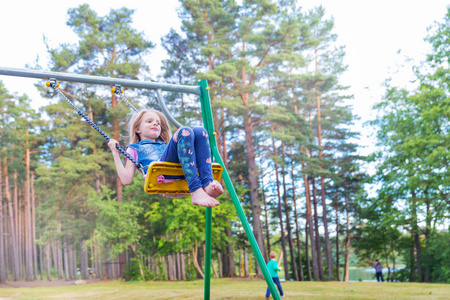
(231, 289)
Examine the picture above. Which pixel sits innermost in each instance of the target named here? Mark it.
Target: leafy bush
(132, 272)
(402, 275)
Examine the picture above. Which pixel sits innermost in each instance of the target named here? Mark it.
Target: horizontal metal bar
(100, 80)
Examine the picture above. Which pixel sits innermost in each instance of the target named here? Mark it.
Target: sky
(378, 36)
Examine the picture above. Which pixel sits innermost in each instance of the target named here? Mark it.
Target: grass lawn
(230, 289)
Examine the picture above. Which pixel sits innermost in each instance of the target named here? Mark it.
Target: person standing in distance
(378, 270)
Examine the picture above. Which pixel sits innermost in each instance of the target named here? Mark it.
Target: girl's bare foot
(214, 189)
(200, 197)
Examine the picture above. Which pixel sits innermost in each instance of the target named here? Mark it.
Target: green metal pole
(209, 126)
(207, 289)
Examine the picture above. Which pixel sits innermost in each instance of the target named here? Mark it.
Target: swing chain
(55, 85)
(118, 90)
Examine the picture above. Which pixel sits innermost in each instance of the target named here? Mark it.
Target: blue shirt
(378, 267)
(148, 151)
(272, 265)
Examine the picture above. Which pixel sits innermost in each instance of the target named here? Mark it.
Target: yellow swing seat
(177, 187)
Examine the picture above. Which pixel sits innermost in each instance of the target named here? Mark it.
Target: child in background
(272, 265)
(151, 140)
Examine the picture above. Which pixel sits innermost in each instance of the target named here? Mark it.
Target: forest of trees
(284, 130)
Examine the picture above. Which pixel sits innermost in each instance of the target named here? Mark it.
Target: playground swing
(157, 169)
(203, 91)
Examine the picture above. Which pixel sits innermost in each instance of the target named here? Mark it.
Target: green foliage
(132, 272)
(412, 170)
(439, 256)
(116, 223)
(177, 224)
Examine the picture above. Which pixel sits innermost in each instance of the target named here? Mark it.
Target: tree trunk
(411, 261)
(162, 261)
(347, 244)
(231, 266)
(133, 248)
(194, 259)
(3, 269)
(338, 271)
(33, 227)
(325, 228)
(27, 200)
(214, 269)
(322, 192)
(288, 223)
(72, 260)
(311, 229)
(108, 274)
(219, 262)
(83, 261)
(7, 243)
(55, 259)
(389, 269)
(18, 221)
(12, 225)
(283, 234)
(41, 262)
(316, 230)
(59, 250)
(280, 214)
(66, 261)
(297, 229)
(347, 259)
(119, 188)
(252, 177)
(99, 271)
(266, 219)
(225, 261)
(415, 230)
(308, 263)
(393, 266)
(49, 262)
(427, 232)
(183, 266)
(178, 265)
(246, 272)
(241, 266)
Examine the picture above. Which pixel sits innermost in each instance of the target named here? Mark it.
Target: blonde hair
(135, 120)
(273, 254)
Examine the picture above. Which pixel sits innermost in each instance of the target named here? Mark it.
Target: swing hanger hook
(117, 89)
(52, 83)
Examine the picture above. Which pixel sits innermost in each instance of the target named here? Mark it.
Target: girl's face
(149, 127)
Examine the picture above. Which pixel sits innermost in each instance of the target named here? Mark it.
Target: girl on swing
(150, 140)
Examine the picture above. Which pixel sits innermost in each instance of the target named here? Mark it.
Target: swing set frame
(202, 90)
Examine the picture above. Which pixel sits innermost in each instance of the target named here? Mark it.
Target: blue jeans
(193, 152)
(276, 280)
(379, 276)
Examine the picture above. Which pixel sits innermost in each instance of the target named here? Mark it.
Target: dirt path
(40, 283)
